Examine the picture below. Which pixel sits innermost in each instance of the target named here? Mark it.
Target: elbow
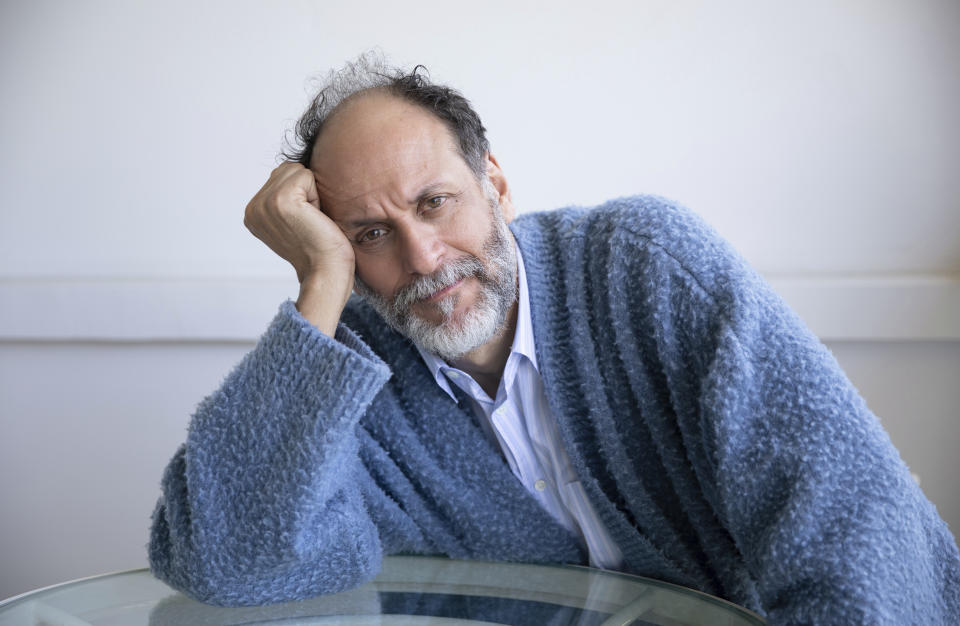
(212, 578)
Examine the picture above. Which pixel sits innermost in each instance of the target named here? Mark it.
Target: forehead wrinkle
(369, 160)
(403, 187)
(383, 148)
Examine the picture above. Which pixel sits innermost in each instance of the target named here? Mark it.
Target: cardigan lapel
(556, 275)
(438, 444)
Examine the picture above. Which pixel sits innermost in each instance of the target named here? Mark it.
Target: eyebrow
(424, 193)
(428, 191)
(350, 225)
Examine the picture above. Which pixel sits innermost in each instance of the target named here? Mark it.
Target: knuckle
(275, 200)
(251, 211)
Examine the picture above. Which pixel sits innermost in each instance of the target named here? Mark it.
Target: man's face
(433, 254)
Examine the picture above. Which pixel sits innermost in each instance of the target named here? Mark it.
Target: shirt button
(540, 485)
(452, 374)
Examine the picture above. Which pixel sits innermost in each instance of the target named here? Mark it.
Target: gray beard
(452, 338)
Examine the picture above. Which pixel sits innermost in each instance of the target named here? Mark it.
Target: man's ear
(499, 180)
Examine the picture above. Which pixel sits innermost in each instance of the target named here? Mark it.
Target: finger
(310, 185)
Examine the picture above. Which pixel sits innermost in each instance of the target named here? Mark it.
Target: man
(609, 386)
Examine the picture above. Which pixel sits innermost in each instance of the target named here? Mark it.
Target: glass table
(408, 591)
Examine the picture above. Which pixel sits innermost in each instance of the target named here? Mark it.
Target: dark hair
(370, 71)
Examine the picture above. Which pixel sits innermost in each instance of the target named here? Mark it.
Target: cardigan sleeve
(261, 503)
(825, 513)
(799, 474)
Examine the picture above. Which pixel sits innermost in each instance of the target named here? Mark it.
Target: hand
(285, 214)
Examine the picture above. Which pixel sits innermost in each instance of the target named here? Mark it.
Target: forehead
(379, 144)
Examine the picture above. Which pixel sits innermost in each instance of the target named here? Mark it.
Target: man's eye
(436, 202)
(371, 235)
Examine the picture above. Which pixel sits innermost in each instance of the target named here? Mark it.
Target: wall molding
(837, 308)
(174, 309)
(875, 308)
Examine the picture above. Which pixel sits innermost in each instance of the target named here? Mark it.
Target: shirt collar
(523, 342)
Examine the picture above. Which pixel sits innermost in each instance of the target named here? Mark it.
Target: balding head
(371, 74)
(376, 138)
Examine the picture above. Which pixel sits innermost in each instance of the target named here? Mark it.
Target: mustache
(425, 286)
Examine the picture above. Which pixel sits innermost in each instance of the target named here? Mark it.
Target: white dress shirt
(520, 420)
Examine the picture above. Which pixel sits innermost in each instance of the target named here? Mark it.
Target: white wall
(820, 137)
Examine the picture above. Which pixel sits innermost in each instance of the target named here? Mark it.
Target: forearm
(260, 498)
(322, 298)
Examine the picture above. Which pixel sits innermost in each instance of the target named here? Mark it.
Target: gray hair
(371, 71)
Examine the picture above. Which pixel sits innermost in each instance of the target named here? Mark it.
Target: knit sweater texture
(717, 438)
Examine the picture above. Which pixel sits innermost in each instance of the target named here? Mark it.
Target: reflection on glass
(408, 590)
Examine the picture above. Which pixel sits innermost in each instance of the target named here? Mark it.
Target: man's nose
(422, 250)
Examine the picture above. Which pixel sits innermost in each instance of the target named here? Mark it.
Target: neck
(486, 363)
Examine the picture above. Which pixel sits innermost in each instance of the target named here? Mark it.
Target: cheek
(380, 274)
(469, 236)
(368, 271)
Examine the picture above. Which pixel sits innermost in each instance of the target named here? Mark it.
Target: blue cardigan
(716, 437)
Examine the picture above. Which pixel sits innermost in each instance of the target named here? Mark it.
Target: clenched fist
(285, 214)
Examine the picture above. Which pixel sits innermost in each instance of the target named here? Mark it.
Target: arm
(260, 505)
(799, 475)
(816, 498)
(819, 502)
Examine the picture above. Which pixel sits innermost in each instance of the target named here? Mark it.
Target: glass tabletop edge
(669, 586)
(7, 602)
